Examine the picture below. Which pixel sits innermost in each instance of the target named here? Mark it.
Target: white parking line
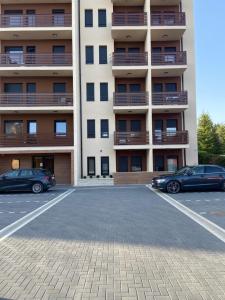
(205, 223)
(12, 228)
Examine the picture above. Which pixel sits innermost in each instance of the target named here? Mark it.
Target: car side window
(11, 174)
(26, 173)
(198, 170)
(213, 169)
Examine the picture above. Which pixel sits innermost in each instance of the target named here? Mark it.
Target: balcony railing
(35, 140)
(170, 138)
(130, 59)
(43, 20)
(169, 58)
(129, 19)
(170, 98)
(168, 19)
(35, 99)
(43, 59)
(131, 138)
(131, 99)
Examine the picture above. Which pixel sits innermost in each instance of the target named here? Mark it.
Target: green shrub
(207, 158)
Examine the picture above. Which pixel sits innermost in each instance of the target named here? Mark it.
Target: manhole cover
(218, 213)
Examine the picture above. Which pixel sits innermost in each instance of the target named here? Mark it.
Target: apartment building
(97, 88)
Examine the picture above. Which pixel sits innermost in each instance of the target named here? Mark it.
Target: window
(122, 125)
(157, 87)
(31, 87)
(13, 88)
(13, 18)
(171, 125)
(60, 128)
(102, 18)
(12, 174)
(198, 170)
(58, 17)
(30, 18)
(90, 91)
(171, 87)
(58, 49)
(103, 55)
(104, 128)
(214, 169)
(135, 125)
(135, 88)
(121, 88)
(91, 166)
(123, 164)
(91, 129)
(104, 165)
(59, 87)
(136, 164)
(31, 49)
(26, 173)
(104, 91)
(88, 18)
(15, 164)
(89, 55)
(32, 127)
(13, 127)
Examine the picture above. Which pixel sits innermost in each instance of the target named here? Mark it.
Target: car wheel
(173, 187)
(37, 188)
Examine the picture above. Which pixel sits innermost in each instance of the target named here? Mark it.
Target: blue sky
(210, 57)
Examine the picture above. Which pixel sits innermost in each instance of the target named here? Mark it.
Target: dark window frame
(104, 91)
(88, 23)
(104, 133)
(91, 133)
(102, 172)
(102, 18)
(89, 56)
(90, 91)
(103, 56)
(60, 121)
(28, 126)
(88, 164)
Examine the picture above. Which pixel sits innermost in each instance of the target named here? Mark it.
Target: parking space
(14, 206)
(210, 205)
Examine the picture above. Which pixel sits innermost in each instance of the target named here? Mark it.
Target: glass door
(91, 166)
(44, 162)
(14, 55)
(104, 165)
(58, 17)
(172, 164)
(123, 164)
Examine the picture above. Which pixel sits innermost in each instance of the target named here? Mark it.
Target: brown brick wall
(135, 177)
(41, 45)
(39, 8)
(43, 84)
(62, 164)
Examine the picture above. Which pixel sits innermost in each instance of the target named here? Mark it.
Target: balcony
(169, 63)
(42, 140)
(132, 25)
(127, 102)
(168, 26)
(131, 140)
(9, 101)
(35, 64)
(171, 138)
(31, 26)
(130, 2)
(170, 101)
(130, 64)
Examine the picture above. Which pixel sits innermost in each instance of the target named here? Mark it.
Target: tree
(208, 140)
(220, 130)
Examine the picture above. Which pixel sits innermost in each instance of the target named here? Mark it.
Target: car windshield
(183, 171)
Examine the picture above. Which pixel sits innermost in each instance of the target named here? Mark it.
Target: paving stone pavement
(112, 244)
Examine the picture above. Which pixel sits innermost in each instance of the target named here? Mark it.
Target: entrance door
(44, 162)
(123, 164)
(172, 164)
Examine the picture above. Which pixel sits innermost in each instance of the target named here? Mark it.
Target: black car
(201, 177)
(35, 180)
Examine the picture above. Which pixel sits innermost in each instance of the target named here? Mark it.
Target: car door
(195, 179)
(214, 176)
(9, 181)
(25, 179)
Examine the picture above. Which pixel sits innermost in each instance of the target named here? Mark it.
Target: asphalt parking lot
(210, 205)
(14, 206)
(113, 243)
